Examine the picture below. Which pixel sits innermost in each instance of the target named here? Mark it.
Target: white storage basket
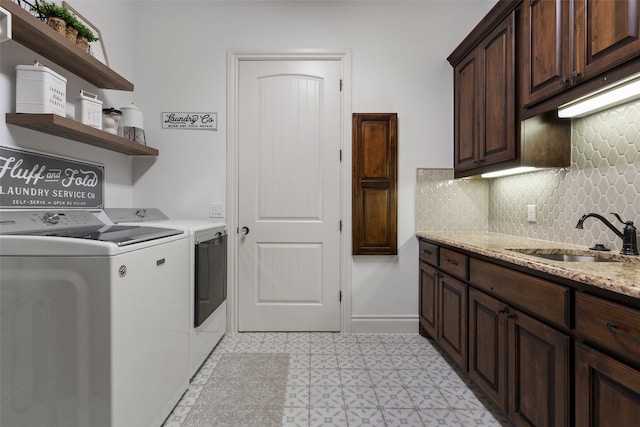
(40, 90)
(89, 109)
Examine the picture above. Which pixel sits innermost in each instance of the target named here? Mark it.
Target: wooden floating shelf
(70, 129)
(32, 33)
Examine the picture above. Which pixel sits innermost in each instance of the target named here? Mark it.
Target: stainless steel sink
(567, 256)
(573, 258)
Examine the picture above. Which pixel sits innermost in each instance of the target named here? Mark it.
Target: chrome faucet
(628, 235)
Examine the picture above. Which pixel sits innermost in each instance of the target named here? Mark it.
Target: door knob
(244, 231)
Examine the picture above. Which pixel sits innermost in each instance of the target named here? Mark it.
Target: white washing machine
(208, 274)
(94, 321)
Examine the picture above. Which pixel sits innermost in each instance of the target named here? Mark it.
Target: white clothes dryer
(207, 278)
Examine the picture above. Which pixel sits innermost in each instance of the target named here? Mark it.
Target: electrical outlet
(216, 210)
(531, 213)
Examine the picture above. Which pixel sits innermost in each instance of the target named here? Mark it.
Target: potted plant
(85, 35)
(57, 16)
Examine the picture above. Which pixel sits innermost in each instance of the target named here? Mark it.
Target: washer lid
(119, 234)
(78, 225)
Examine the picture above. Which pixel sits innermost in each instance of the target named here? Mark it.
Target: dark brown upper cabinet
(547, 64)
(489, 133)
(375, 183)
(484, 91)
(571, 48)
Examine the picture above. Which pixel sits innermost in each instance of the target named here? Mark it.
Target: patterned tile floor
(358, 380)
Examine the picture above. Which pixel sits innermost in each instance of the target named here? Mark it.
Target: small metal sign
(34, 180)
(202, 121)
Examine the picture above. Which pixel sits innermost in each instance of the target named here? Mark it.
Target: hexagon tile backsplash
(604, 177)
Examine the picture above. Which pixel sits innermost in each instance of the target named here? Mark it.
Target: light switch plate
(531, 213)
(216, 210)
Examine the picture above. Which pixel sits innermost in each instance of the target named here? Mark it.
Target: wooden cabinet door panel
(607, 34)
(546, 49)
(466, 112)
(488, 345)
(452, 333)
(497, 140)
(539, 386)
(375, 183)
(607, 391)
(429, 300)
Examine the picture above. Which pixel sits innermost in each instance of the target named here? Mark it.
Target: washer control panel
(17, 222)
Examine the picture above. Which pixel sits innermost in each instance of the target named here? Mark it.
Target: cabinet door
(607, 391)
(488, 345)
(466, 112)
(453, 327)
(607, 34)
(539, 388)
(497, 142)
(428, 300)
(375, 183)
(546, 49)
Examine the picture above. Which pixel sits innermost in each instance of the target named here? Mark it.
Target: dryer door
(211, 277)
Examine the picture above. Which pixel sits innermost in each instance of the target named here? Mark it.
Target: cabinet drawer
(428, 253)
(539, 297)
(454, 263)
(609, 324)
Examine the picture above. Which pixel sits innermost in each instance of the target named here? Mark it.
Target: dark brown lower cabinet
(452, 334)
(607, 392)
(488, 346)
(428, 300)
(539, 387)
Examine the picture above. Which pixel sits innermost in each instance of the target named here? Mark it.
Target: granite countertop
(621, 277)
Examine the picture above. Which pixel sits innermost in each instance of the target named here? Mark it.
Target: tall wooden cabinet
(375, 183)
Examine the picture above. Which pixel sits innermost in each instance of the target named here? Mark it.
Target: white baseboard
(384, 324)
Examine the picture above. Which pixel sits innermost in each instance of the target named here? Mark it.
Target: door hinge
(340, 85)
(341, 156)
(341, 226)
(340, 297)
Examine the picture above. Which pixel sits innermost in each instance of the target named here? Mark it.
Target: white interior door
(289, 195)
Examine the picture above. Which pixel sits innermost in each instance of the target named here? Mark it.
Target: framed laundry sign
(33, 180)
(202, 121)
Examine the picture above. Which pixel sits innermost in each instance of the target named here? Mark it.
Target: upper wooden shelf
(39, 37)
(71, 129)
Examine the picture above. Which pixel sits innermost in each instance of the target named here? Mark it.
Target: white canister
(132, 117)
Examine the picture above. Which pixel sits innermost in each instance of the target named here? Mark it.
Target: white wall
(399, 52)
(116, 26)
(175, 53)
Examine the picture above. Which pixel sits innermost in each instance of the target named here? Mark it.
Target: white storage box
(40, 90)
(89, 109)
